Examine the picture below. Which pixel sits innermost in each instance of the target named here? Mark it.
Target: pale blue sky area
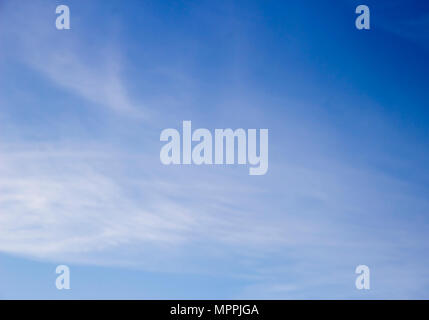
(81, 182)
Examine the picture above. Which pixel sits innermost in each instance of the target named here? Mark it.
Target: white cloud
(88, 205)
(54, 203)
(91, 206)
(62, 57)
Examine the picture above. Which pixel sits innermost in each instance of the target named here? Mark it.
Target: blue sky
(81, 183)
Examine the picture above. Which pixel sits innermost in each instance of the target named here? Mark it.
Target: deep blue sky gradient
(81, 111)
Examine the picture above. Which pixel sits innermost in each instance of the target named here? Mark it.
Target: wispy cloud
(57, 201)
(305, 225)
(62, 57)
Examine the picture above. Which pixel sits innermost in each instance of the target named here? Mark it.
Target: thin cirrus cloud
(64, 203)
(64, 60)
(73, 206)
(315, 211)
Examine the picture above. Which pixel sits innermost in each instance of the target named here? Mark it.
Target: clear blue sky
(81, 183)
